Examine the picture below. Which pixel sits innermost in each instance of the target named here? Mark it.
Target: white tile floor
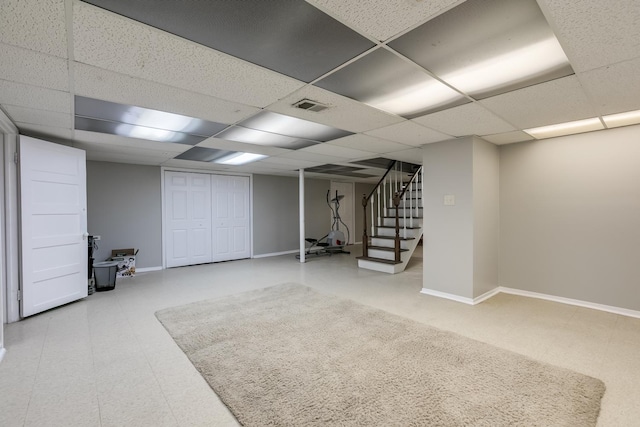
(107, 361)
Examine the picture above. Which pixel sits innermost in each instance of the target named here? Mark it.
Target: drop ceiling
(394, 74)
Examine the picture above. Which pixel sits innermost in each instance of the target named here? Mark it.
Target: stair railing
(379, 197)
(400, 197)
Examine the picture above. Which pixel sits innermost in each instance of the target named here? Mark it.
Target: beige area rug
(290, 356)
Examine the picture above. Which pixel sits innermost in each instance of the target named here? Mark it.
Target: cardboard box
(126, 261)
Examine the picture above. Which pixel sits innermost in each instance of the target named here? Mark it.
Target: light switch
(449, 199)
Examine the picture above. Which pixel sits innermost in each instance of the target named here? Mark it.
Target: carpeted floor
(289, 356)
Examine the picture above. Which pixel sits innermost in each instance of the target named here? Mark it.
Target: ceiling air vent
(307, 104)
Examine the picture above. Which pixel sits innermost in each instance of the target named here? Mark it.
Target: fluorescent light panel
(291, 126)
(240, 159)
(568, 128)
(252, 136)
(622, 119)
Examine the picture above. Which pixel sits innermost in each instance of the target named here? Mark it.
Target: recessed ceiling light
(292, 126)
(252, 136)
(240, 159)
(568, 128)
(416, 98)
(622, 119)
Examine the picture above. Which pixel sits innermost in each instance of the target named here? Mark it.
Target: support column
(301, 209)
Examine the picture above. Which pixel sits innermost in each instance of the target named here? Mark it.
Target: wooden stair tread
(386, 248)
(393, 217)
(401, 227)
(392, 237)
(380, 260)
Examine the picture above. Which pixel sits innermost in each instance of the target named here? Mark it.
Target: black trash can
(105, 275)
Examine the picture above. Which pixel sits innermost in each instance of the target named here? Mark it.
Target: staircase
(393, 211)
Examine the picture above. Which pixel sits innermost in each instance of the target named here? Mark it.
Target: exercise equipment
(334, 241)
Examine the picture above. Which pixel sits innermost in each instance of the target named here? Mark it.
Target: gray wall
(570, 216)
(276, 222)
(486, 216)
(448, 230)
(124, 207)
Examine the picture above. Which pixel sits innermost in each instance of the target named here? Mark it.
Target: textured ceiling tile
(409, 133)
(469, 119)
(557, 101)
(193, 164)
(382, 19)
(337, 151)
(19, 18)
(310, 157)
(39, 117)
(368, 143)
(507, 137)
(223, 144)
(344, 113)
(34, 97)
(45, 132)
(281, 163)
(107, 85)
(614, 89)
(595, 33)
(132, 153)
(34, 68)
(413, 155)
(118, 44)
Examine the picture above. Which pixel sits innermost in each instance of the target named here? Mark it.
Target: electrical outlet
(96, 237)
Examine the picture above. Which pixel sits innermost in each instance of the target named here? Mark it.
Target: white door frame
(210, 172)
(9, 279)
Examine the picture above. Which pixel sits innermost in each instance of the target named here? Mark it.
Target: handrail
(401, 195)
(381, 180)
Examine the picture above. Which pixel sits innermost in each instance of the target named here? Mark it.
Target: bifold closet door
(231, 217)
(188, 218)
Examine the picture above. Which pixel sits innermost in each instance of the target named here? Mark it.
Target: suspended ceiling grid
(53, 51)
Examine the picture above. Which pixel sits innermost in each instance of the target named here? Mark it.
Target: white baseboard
(3, 351)
(458, 298)
(562, 300)
(295, 251)
(145, 269)
(570, 301)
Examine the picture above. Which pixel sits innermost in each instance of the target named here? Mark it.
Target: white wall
(570, 217)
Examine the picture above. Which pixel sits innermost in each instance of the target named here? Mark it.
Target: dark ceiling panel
(204, 154)
(288, 36)
(131, 131)
(485, 33)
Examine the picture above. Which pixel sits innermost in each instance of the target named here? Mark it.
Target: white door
(231, 217)
(188, 218)
(346, 209)
(53, 203)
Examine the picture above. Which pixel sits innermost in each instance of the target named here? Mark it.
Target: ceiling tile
(104, 84)
(22, 95)
(223, 144)
(18, 18)
(595, 33)
(487, 47)
(409, 133)
(343, 112)
(383, 80)
(507, 137)
(310, 157)
(469, 119)
(120, 154)
(203, 154)
(382, 19)
(109, 41)
(616, 88)
(292, 38)
(557, 101)
(368, 143)
(33, 68)
(334, 150)
(257, 137)
(39, 117)
(413, 155)
(194, 164)
(282, 163)
(46, 132)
